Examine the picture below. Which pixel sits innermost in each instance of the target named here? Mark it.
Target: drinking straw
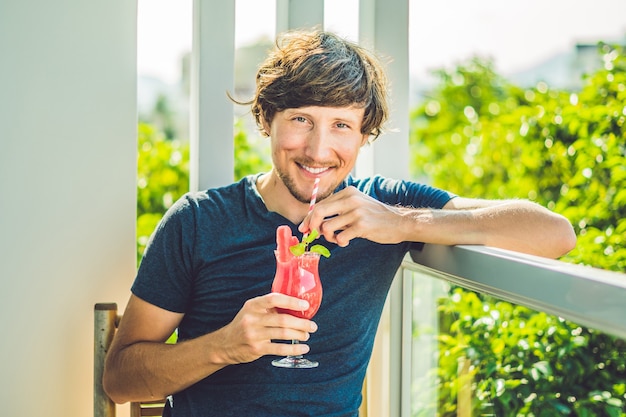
(316, 185)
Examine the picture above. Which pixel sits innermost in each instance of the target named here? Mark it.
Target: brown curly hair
(317, 68)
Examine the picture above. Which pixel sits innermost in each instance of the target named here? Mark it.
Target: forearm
(141, 366)
(517, 225)
(153, 370)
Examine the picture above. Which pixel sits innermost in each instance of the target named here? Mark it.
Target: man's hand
(249, 336)
(349, 214)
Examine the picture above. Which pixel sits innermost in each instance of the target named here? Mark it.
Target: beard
(297, 194)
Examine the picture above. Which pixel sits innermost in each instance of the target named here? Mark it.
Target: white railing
(587, 296)
(591, 297)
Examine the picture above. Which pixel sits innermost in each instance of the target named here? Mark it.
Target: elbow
(566, 238)
(111, 392)
(112, 388)
(555, 239)
(572, 240)
(115, 395)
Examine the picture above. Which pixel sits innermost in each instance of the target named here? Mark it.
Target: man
(209, 266)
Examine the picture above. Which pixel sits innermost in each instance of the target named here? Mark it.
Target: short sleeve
(165, 274)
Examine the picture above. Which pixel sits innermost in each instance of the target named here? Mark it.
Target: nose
(318, 146)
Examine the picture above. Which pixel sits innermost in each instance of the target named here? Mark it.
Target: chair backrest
(147, 409)
(106, 320)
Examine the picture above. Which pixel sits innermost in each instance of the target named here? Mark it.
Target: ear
(365, 140)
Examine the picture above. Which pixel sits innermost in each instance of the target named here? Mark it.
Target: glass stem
(295, 342)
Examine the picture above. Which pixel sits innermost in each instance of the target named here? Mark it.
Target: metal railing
(591, 297)
(586, 296)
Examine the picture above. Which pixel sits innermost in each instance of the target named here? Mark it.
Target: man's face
(310, 142)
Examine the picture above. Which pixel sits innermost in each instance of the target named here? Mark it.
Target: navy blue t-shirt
(213, 250)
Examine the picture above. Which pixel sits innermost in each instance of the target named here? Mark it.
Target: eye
(342, 125)
(299, 119)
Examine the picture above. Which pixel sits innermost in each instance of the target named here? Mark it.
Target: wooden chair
(106, 321)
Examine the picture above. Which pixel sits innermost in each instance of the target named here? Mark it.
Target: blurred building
(566, 70)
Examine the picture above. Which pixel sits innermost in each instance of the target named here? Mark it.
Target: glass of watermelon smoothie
(297, 276)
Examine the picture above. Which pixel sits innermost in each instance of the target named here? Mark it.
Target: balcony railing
(590, 298)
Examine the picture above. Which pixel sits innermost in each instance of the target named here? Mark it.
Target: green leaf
(297, 250)
(300, 248)
(310, 237)
(322, 250)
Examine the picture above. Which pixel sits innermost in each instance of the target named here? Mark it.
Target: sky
(517, 34)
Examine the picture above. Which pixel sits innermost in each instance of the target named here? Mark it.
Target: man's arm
(518, 225)
(141, 366)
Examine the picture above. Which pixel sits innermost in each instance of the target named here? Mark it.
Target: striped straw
(316, 186)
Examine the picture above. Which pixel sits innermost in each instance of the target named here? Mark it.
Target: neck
(278, 199)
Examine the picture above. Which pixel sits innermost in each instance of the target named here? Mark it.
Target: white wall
(67, 193)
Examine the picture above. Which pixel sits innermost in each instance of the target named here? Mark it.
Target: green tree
(478, 135)
(527, 363)
(163, 173)
(162, 177)
(250, 156)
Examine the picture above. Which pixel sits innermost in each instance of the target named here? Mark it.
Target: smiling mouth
(313, 170)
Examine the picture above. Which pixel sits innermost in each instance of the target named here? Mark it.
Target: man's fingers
(278, 300)
(280, 333)
(282, 320)
(289, 349)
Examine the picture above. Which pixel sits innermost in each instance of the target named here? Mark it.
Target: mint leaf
(311, 237)
(297, 250)
(322, 250)
(300, 248)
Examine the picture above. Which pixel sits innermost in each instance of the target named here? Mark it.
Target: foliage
(478, 135)
(162, 177)
(529, 363)
(250, 156)
(163, 173)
